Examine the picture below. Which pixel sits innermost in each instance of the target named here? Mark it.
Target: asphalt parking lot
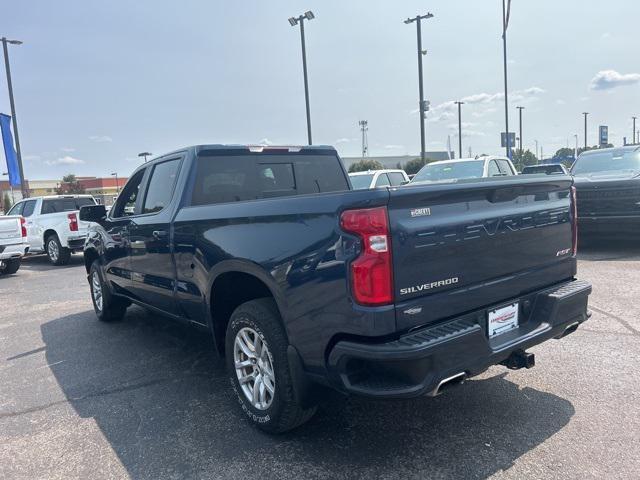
(146, 398)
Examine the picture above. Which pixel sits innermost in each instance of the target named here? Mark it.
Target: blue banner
(9, 151)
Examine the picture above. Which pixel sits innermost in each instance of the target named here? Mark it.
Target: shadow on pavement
(41, 263)
(161, 398)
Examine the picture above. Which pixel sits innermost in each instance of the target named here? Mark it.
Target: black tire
(284, 412)
(58, 255)
(111, 308)
(11, 266)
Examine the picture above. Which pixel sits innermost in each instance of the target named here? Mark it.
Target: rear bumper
(16, 250)
(76, 243)
(417, 363)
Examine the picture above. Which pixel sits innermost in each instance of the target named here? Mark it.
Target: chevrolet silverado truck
(52, 225)
(608, 188)
(305, 284)
(13, 243)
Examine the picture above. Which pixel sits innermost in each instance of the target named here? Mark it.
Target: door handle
(160, 234)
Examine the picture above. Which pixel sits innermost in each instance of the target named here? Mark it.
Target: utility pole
(505, 24)
(520, 113)
(423, 105)
(293, 21)
(364, 127)
(460, 127)
(145, 155)
(5, 41)
(586, 114)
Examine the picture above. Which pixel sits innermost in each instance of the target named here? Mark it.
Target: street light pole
(5, 41)
(117, 184)
(460, 127)
(293, 21)
(634, 129)
(422, 110)
(520, 109)
(505, 24)
(145, 155)
(586, 114)
(537, 157)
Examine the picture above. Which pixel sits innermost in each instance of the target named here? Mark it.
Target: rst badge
(421, 212)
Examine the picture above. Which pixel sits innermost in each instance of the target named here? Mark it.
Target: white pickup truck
(53, 226)
(13, 243)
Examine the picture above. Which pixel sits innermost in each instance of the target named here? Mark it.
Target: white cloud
(394, 147)
(68, 149)
(608, 79)
(31, 158)
(100, 138)
(66, 160)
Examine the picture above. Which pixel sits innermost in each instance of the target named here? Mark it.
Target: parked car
(608, 187)
(546, 169)
(464, 169)
(378, 178)
(52, 225)
(13, 243)
(304, 283)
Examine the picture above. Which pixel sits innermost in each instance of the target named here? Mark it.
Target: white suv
(53, 225)
(378, 178)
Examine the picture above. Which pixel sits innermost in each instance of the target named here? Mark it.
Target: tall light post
(423, 105)
(145, 155)
(506, 11)
(634, 129)
(586, 114)
(364, 127)
(293, 21)
(520, 109)
(537, 157)
(460, 127)
(5, 41)
(115, 174)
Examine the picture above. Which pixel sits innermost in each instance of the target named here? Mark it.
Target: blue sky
(97, 82)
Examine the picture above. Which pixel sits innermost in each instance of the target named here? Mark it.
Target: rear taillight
(574, 221)
(371, 271)
(73, 222)
(23, 227)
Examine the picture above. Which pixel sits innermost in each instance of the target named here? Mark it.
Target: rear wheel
(258, 367)
(11, 266)
(58, 255)
(108, 307)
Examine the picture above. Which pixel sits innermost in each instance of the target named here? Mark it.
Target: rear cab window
(57, 205)
(234, 177)
(396, 178)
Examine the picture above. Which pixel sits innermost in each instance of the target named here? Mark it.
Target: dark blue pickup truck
(307, 284)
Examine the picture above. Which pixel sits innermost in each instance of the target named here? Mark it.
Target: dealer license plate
(502, 320)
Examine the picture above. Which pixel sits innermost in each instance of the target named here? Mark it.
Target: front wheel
(58, 255)
(258, 367)
(108, 308)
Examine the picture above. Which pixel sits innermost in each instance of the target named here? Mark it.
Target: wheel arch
(232, 284)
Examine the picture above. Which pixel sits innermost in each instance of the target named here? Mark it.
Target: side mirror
(93, 213)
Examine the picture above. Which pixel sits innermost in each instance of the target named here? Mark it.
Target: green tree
(6, 202)
(523, 158)
(413, 166)
(364, 165)
(70, 184)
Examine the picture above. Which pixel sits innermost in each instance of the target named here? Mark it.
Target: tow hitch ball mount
(519, 359)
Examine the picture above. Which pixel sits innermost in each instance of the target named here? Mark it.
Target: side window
(505, 168)
(382, 181)
(493, 171)
(396, 178)
(160, 189)
(29, 207)
(16, 209)
(276, 177)
(126, 202)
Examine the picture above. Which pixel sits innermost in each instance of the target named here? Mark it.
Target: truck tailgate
(10, 230)
(464, 246)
